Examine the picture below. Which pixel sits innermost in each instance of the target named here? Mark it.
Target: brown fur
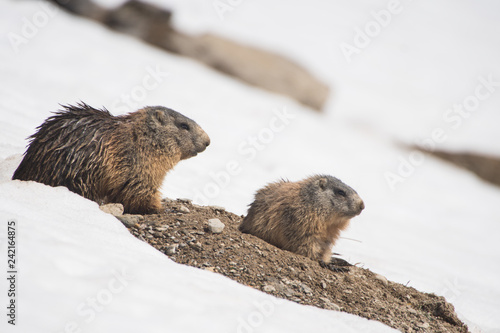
(304, 217)
(121, 159)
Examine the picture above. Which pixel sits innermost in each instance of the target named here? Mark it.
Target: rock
(329, 304)
(258, 67)
(196, 246)
(268, 288)
(210, 269)
(184, 209)
(305, 288)
(130, 220)
(424, 325)
(215, 226)
(172, 249)
(115, 209)
(381, 278)
(218, 208)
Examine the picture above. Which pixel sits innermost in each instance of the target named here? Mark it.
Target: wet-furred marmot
(304, 217)
(121, 159)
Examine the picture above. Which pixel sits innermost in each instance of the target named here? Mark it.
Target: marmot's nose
(361, 205)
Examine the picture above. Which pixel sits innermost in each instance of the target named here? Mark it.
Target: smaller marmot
(304, 217)
(121, 159)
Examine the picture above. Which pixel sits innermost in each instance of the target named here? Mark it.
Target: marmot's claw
(341, 267)
(339, 262)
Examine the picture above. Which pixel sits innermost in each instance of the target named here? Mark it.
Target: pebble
(215, 226)
(115, 209)
(329, 304)
(305, 288)
(197, 246)
(268, 288)
(130, 220)
(424, 325)
(172, 249)
(184, 209)
(218, 208)
(381, 278)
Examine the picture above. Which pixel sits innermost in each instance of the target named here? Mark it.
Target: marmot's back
(58, 152)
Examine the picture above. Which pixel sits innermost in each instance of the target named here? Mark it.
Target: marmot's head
(171, 129)
(330, 196)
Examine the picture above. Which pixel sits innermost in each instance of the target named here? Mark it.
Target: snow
(436, 229)
(82, 271)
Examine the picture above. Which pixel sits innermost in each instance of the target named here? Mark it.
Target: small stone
(215, 226)
(115, 209)
(323, 284)
(210, 269)
(196, 246)
(183, 209)
(424, 325)
(172, 249)
(268, 288)
(130, 220)
(305, 288)
(329, 304)
(381, 279)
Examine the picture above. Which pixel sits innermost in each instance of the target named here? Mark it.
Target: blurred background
(381, 94)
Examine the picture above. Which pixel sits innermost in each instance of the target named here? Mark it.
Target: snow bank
(80, 270)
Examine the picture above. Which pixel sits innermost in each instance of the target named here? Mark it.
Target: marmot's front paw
(336, 265)
(339, 262)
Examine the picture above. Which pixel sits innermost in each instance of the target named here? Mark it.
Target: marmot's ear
(161, 116)
(322, 182)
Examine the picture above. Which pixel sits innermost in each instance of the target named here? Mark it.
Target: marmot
(104, 158)
(304, 217)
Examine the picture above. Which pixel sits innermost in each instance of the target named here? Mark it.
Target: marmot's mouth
(351, 214)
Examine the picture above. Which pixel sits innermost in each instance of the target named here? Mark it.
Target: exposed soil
(182, 233)
(484, 166)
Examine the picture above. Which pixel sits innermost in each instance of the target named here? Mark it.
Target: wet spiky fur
(304, 217)
(104, 158)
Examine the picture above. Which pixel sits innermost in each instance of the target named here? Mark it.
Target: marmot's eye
(340, 192)
(184, 126)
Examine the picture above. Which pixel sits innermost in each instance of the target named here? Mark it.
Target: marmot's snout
(202, 143)
(360, 204)
(355, 206)
(205, 143)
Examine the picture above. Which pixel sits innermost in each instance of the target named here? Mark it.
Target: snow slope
(436, 229)
(82, 271)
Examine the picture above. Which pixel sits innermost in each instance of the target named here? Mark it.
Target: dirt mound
(185, 234)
